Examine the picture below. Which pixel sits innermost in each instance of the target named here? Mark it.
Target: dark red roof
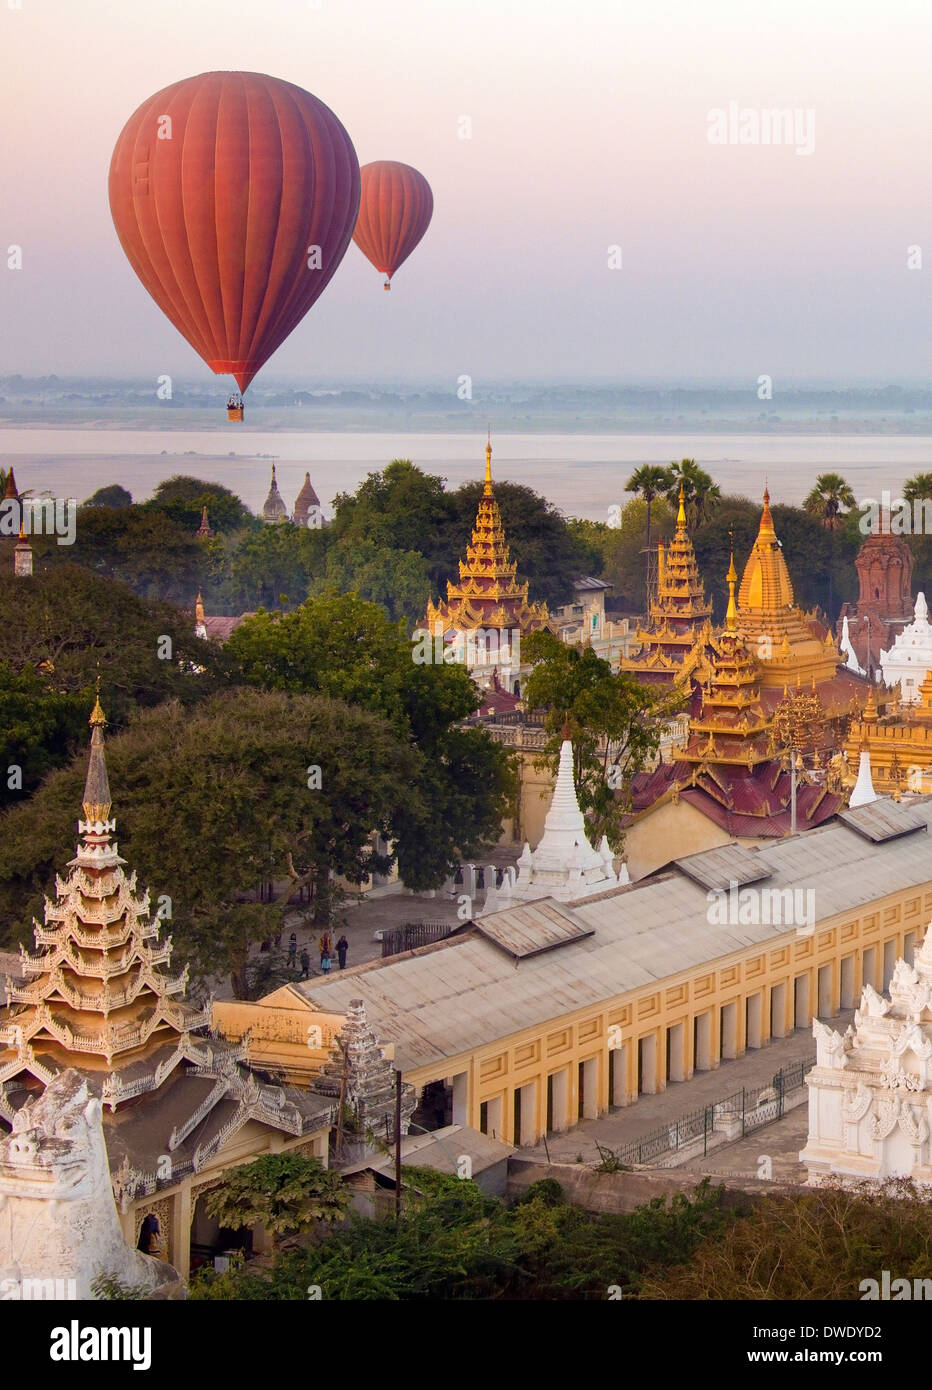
(744, 804)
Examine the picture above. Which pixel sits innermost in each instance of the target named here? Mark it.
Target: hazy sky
(590, 126)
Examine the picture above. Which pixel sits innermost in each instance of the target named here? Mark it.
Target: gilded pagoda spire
(768, 616)
(489, 593)
(731, 614)
(97, 802)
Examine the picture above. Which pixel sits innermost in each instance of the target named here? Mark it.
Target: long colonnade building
(546, 1013)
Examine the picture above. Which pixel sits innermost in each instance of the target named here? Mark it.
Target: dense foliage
(459, 1244)
(340, 646)
(72, 626)
(614, 721)
(212, 803)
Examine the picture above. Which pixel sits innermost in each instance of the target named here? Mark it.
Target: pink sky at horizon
(589, 129)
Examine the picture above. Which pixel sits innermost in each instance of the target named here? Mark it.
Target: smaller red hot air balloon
(395, 208)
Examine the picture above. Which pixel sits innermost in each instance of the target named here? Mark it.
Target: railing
(754, 1108)
(413, 934)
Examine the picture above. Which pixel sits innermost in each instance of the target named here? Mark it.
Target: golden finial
(681, 514)
(488, 462)
(766, 520)
(96, 799)
(731, 615)
(98, 719)
(199, 609)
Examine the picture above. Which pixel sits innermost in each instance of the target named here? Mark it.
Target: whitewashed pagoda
(99, 997)
(910, 658)
(273, 508)
(564, 866)
(870, 1091)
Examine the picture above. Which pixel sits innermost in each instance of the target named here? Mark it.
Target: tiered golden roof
(777, 630)
(732, 725)
(489, 594)
(679, 615)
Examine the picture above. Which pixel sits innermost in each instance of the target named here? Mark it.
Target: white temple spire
(564, 865)
(864, 787)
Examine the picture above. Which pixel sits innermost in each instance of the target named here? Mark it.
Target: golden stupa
(777, 631)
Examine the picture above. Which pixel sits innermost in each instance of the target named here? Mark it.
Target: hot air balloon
(395, 209)
(234, 196)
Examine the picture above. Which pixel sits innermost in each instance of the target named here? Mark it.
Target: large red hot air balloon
(395, 209)
(234, 196)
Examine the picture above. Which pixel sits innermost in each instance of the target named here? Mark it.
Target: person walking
(293, 949)
(305, 965)
(342, 948)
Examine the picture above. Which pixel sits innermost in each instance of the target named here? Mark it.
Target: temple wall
(666, 829)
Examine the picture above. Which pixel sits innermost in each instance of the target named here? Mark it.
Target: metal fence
(753, 1107)
(413, 934)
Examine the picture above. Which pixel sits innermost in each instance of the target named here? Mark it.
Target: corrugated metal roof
(455, 997)
(531, 928)
(720, 868)
(883, 820)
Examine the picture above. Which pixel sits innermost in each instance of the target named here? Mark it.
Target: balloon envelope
(395, 208)
(234, 196)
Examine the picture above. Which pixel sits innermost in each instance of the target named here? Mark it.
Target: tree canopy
(615, 724)
(340, 646)
(215, 801)
(285, 1193)
(72, 626)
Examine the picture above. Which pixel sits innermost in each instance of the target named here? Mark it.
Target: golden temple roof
(787, 648)
(489, 593)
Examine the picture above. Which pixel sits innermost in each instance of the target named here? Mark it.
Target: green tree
(650, 481)
(828, 499)
(285, 1193)
(146, 549)
(615, 724)
(396, 579)
(111, 496)
(700, 494)
(71, 626)
(918, 488)
(183, 499)
(345, 648)
(624, 551)
(264, 567)
(246, 789)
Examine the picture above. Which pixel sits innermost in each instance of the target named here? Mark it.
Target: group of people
(325, 947)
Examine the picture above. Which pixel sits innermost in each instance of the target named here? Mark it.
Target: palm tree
(829, 495)
(699, 492)
(918, 489)
(649, 482)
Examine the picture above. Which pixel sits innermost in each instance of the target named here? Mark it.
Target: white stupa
(847, 651)
(910, 657)
(863, 790)
(564, 865)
